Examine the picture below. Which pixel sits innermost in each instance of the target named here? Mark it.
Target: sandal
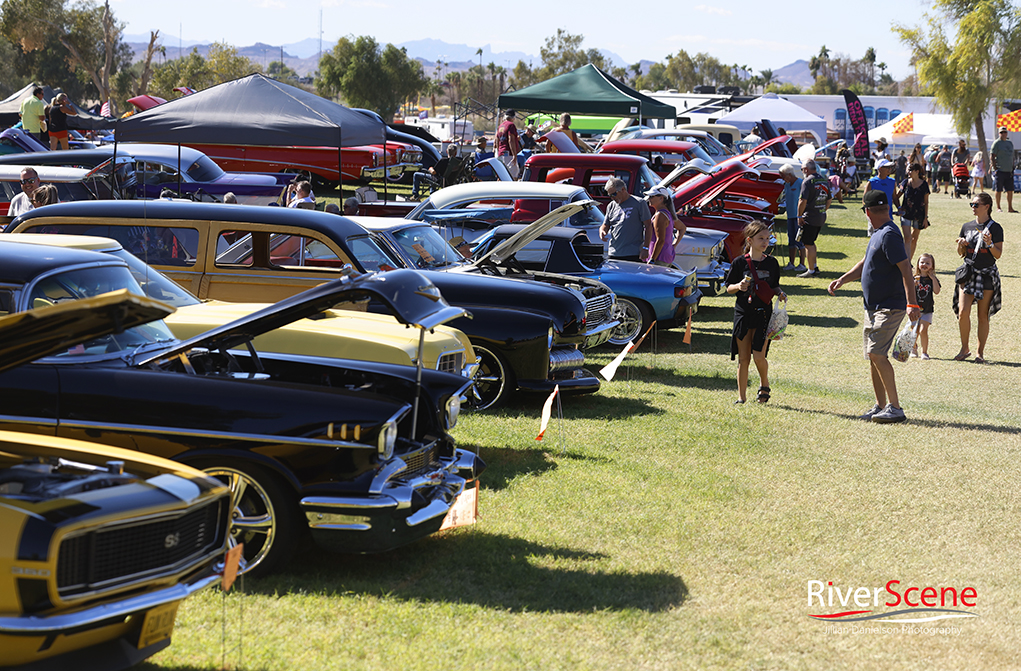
(961, 356)
(763, 394)
(738, 402)
(979, 359)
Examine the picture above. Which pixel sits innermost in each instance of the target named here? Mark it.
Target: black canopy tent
(587, 90)
(10, 109)
(254, 110)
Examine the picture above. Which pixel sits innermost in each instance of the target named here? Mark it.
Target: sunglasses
(29, 180)
(974, 205)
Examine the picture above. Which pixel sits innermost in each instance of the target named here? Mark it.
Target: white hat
(659, 191)
(883, 163)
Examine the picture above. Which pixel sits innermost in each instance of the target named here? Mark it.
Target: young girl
(755, 278)
(926, 286)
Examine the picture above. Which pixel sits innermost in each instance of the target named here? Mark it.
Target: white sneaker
(801, 268)
(889, 415)
(789, 266)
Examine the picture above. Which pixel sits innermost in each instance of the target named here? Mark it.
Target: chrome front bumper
(711, 277)
(600, 334)
(396, 510)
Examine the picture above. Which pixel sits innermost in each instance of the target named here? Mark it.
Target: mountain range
(303, 56)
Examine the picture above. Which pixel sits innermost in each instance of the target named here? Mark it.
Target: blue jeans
(416, 181)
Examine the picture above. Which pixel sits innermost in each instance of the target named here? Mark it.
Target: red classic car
(361, 164)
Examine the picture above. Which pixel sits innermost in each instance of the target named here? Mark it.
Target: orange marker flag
(687, 330)
(610, 369)
(547, 412)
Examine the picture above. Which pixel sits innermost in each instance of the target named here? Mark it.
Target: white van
(725, 133)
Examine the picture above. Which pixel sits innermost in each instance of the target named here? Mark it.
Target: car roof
(385, 223)
(102, 153)
(182, 211)
(90, 242)
(47, 173)
(555, 233)
(499, 190)
(22, 261)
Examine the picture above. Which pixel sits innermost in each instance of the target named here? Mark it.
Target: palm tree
(766, 78)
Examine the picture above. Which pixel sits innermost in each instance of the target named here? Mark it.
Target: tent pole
(113, 168)
(386, 172)
(340, 173)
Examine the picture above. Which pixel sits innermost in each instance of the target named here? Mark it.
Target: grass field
(663, 527)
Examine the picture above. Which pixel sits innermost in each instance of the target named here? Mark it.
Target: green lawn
(671, 529)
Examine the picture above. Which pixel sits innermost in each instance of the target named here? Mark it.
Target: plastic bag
(778, 321)
(905, 341)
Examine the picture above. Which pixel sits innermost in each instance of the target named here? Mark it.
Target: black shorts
(1004, 181)
(809, 234)
(943, 176)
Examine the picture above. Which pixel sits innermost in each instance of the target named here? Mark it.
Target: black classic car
(527, 335)
(100, 544)
(359, 452)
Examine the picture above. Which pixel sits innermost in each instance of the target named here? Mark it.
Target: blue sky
(754, 33)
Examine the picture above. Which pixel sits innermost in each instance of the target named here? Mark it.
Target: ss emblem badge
(171, 540)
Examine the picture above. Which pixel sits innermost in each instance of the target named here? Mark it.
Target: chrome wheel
(634, 320)
(491, 381)
(254, 517)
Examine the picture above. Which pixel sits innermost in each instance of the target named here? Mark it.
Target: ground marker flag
(547, 411)
(687, 330)
(610, 369)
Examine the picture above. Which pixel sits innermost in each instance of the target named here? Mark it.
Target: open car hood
(530, 233)
(701, 189)
(411, 298)
(31, 335)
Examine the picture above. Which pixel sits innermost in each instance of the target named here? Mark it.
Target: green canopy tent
(587, 90)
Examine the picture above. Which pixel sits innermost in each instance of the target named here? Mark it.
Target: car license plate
(465, 509)
(158, 624)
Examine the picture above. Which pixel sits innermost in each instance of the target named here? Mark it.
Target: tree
(278, 70)
(563, 53)
(979, 64)
(88, 32)
(366, 75)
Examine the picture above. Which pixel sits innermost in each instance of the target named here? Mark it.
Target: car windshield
(591, 215)
(426, 248)
(155, 284)
(646, 179)
(204, 170)
(370, 256)
(87, 283)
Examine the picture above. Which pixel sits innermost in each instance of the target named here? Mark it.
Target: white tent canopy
(928, 129)
(781, 112)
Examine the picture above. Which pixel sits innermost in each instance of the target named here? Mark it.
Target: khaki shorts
(880, 329)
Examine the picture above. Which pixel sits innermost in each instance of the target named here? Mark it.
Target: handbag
(905, 341)
(964, 271)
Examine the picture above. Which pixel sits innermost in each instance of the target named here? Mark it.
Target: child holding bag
(926, 287)
(755, 278)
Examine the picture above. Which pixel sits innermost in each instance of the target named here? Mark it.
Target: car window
(155, 245)
(370, 255)
(533, 256)
(204, 170)
(590, 216)
(286, 250)
(426, 248)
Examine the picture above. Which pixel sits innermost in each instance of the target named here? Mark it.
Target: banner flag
(860, 125)
(547, 412)
(905, 124)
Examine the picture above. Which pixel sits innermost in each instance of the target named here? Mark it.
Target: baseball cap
(875, 198)
(1003, 129)
(883, 163)
(659, 191)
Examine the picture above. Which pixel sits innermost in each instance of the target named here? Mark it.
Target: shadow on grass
(580, 406)
(932, 424)
(503, 464)
(834, 322)
(489, 570)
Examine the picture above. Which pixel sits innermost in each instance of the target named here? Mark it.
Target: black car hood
(411, 298)
(27, 336)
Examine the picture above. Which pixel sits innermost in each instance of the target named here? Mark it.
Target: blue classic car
(645, 293)
(145, 170)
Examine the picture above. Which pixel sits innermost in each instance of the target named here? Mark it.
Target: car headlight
(453, 410)
(386, 441)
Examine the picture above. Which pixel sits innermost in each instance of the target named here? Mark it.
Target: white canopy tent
(781, 112)
(928, 129)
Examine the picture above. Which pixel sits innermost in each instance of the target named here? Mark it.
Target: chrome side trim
(38, 421)
(40, 626)
(258, 437)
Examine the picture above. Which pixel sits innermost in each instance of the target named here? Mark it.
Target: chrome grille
(451, 362)
(420, 460)
(598, 309)
(117, 555)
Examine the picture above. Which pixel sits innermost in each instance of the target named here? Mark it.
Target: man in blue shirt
(791, 195)
(888, 288)
(884, 183)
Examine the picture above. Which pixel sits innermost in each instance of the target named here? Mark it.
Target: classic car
(100, 544)
(716, 149)
(526, 335)
(358, 452)
(645, 293)
(338, 334)
(71, 183)
(144, 170)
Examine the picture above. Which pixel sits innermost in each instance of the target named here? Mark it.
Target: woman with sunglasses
(914, 214)
(980, 243)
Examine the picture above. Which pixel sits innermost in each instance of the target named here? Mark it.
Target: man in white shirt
(22, 202)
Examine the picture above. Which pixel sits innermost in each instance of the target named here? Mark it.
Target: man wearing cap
(815, 200)
(22, 202)
(528, 138)
(883, 182)
(627, 221)
(888, 290)
(483, 171)
(508, 144)
(1001, 154)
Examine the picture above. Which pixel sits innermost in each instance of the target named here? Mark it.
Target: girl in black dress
(755, 278)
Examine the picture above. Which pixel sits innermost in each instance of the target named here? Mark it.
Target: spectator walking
(627, 221)
(664, 227)
(978, 171)
(917, 156)
(755, 278)
(791, 194)
(22, 202)
(930, 165)
(57, 114)
(926, 287)
(888, 291)
(982, 241)
(812, 205)
(508, 144)
(913, 194)
(900, 171)
(960, 154)
(883, 182)
(943, 168)
(33, 114)
(1002, 157)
